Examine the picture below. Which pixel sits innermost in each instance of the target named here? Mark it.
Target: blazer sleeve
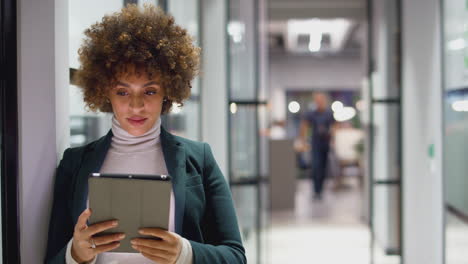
(223, 242)
(61, 223)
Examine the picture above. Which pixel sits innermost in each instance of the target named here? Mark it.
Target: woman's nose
(137, 102)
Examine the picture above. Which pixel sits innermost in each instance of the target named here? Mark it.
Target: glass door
(455, 90)
(248, 175)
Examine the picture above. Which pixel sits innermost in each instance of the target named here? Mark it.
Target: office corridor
(331, 231)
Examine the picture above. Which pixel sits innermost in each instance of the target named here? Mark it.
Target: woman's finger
(157, 232)
(148, 242)
(154, 252)
(106, 247)
(99, 227)
(81, 222)
(106, 239)
(156, 259)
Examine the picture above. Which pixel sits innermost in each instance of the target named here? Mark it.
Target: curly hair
(136, 40)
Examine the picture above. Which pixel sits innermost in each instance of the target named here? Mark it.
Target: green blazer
(204, 211)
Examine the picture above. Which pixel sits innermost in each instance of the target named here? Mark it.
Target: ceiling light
(294, 107)
(337, 106)
(460, 106)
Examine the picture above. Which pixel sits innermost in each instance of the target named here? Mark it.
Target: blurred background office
(394, 73)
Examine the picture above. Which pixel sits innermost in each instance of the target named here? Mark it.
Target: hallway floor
(330, 231)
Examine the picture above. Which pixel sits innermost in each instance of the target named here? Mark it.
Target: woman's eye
(122, 93)
(150, 92)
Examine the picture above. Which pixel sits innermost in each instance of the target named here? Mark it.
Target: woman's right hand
(82, 250)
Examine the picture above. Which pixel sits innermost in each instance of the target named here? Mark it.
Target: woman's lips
(137, 122)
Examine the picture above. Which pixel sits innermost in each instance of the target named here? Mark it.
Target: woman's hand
(164, 251)
(82, 249)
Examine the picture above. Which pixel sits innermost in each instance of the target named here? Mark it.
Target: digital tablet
(135, 200)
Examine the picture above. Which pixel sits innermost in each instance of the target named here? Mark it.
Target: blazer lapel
(91, 162)
(174, 156)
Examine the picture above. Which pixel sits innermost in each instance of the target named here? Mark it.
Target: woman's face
(137, 102)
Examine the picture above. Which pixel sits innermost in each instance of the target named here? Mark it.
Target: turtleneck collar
(124, 142)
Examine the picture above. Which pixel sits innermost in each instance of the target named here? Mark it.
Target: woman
(135, 64)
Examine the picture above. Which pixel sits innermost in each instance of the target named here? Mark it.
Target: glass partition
(241, 28)
(455, 88)
(248, 168)
(186, 121)
(243, 139)
(246, 200)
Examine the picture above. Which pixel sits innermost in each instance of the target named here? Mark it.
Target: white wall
(37, 79)
(310, 73)
(422, 126)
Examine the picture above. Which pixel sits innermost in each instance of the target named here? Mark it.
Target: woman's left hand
(164, 251)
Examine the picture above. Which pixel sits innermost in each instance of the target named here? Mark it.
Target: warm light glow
(233, 108)
(294, 107)
(460, 106)
(336, 28)
(337, 106)
(344, 114)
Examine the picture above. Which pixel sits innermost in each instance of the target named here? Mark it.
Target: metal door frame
(9, 125)
(387, 101)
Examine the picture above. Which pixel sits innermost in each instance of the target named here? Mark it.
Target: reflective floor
(456, 241)
(331, 231)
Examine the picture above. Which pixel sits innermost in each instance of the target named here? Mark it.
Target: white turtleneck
(136, 155)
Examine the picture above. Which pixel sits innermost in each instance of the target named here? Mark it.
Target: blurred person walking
(321, 121)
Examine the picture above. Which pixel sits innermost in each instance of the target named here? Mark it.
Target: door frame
(397, 183)
(9, 135)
